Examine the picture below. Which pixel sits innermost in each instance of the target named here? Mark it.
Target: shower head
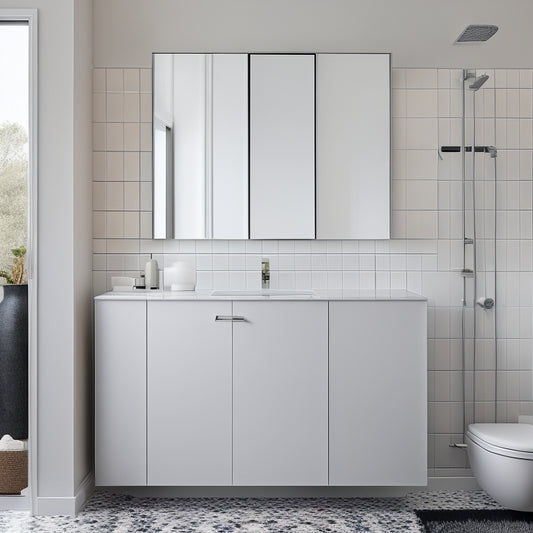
(478, 82)
(477, 33)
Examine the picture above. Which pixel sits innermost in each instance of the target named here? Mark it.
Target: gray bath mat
(476, 521)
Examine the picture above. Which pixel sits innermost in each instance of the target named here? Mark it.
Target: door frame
(30, 16)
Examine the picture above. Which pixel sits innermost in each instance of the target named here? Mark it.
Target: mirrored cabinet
(271, 146)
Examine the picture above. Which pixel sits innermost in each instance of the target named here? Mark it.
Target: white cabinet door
(280, 397)
(353, 146)
(189, 393)
(120, 393)
(282, 146)
(377, 393)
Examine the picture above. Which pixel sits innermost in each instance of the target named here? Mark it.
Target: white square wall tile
(131, 80)
(421, 164)
(99, 107)
(237, 262)
(99, 261)
(416, 78)
(421, 103)
(398, 194)
(146, 225)
(114, 225)
(146, 166)
(526, 78)
(146, 107)
(421, 194)
(114, 137)
(146, 137)
(98, 196)
(114, 80)
(421, 224)
(303, 280)
(114, 166)
(334, 280)
(131, 137)
(131, 225)
(99, 221)
(131, 107)
(421, 133)
(115, 107)
(146, 80)
(443, 78)
(145, 196)
(99, 137)
(398, 164)
(131, 196)
(98, 166)
(398, 103)
(114, 196)
(131, 166)
(237, 280)
(99, 246)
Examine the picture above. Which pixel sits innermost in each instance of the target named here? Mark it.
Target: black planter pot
(14, 362)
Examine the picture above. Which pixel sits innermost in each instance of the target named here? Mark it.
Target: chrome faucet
(265, 273)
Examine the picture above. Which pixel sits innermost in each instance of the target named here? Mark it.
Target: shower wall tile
(425, 255)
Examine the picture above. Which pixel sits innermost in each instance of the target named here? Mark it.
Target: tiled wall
(424, 256)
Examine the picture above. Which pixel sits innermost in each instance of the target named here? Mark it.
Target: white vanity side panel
(189, 394)
(353, 146)
(230, 146)
(280, 394)
(189, 146)
(377, 393)
(282, 146)
(120, 393)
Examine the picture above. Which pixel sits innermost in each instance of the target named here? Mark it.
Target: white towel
(8, 444)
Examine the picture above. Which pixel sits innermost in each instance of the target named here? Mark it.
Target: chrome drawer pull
(229, 318)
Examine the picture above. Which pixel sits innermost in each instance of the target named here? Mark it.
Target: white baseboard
(69, 505)
(452, 483)
(17, 502)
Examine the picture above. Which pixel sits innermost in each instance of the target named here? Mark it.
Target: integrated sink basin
(267, 293)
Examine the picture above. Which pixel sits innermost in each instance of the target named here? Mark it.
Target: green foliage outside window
(13, 192)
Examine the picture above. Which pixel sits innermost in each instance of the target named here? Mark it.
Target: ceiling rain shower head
(477, 33)
(478, 82)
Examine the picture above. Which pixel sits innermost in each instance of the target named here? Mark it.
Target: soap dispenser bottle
(151, 274)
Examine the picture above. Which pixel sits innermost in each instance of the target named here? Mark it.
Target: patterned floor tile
(119, 513)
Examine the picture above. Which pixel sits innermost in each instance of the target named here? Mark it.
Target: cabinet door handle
(229, 318)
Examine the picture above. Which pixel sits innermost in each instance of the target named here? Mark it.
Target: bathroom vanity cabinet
(209, 392)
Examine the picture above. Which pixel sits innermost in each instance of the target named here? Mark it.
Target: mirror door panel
(353, 146)
(230, 146)
(282, 146)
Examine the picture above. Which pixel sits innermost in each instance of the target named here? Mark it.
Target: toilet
(501, 458)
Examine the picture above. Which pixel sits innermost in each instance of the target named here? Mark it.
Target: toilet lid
(517, 437)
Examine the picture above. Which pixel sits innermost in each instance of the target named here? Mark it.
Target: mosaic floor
(107, 512)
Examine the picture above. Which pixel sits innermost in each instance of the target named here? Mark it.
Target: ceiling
(418, 33)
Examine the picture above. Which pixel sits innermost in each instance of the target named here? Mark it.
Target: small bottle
(151, 274)
(139, 282)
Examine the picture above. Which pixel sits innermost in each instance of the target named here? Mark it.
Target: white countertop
(318, 295)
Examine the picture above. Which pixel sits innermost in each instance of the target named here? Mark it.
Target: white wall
(419, 33)
(64, 167)
(83, 404)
